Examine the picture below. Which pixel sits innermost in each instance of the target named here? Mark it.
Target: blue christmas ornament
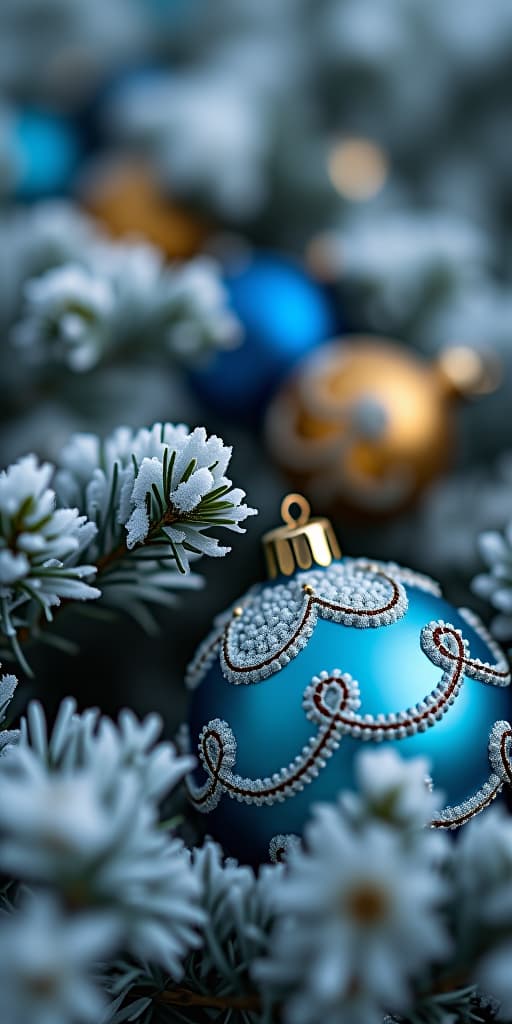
(330, 655)
(284, 314)
(46, 149)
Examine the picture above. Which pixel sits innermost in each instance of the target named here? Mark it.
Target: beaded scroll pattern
(331, 702)
(500, 746)
(276, 621)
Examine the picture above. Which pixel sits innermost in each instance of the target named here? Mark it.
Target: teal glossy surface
(271, 728)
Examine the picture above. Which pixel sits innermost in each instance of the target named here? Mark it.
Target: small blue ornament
(46, 148)
(329, 655)
(284, 314)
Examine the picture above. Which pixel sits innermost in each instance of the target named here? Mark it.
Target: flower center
(43, 986)
(367, 903)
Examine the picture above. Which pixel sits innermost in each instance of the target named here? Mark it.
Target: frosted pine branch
(79, 825)
(360, 924)
(127, 518)
(8, 684)
(41, 548)
(83, 299)
(238, 910)
(80, 815)
(155, 496)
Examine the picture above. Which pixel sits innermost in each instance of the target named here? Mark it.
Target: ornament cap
(301, 543)
(465, 372)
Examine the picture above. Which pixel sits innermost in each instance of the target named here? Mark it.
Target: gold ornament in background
(126, 198)
(366, 424)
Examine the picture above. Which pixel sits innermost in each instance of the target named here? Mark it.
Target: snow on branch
(121, 519)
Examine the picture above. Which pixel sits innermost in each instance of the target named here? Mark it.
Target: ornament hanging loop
(292, 501)
(302, 543)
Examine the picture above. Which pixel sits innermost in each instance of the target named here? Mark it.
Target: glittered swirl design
(275, 622)
(500, 757)
(280, 847)
(331, 701)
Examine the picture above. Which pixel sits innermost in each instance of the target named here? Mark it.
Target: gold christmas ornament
(127, 199)
(366, 424)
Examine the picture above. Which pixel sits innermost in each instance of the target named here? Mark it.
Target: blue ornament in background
(330, 655)
(284, 314)
(46, 149)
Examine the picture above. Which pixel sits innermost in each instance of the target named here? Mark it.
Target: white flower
(360, 918)
(68, 311)
(79, 813)
(46, 962)
(393, 789)
(40, 545)
(496, 584)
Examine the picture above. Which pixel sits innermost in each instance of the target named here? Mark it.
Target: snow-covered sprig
(80, 816)
(238, 909)
(130, 513)
(107, 299)
(155, 496)
(359, 924)
(8, 684)
(41, 547)
(35, 239)
(180, 492)
(495, 585)
(78, 741)
(66, 317)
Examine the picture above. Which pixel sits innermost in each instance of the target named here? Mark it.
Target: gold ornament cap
(301, 543)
